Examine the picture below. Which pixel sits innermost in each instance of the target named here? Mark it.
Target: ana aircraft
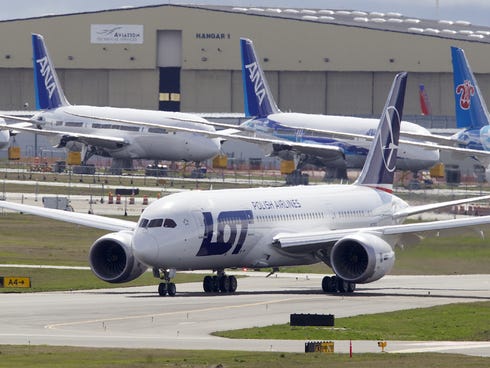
(58, 120)
(328, 130)
(352, 228)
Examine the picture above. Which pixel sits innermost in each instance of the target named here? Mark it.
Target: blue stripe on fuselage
(277, 130)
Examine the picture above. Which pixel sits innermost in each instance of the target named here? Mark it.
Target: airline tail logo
(47, 74)
(257, 81)
(390, 149)
(466, 90)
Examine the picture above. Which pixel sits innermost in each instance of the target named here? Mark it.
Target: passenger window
(143, 222)
(155, 223)
(169, 223)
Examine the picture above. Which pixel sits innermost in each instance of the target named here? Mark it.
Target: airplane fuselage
(283, 125)
(235, 228)
(139, 142)
(4, 136)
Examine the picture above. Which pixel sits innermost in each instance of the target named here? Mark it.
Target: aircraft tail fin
(380, 165)
(471, 110)
(49, 94)
(425, 108)
(258, 100)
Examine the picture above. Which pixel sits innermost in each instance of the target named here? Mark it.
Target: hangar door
(169, 63)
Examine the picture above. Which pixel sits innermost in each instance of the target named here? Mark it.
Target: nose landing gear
(167, 287)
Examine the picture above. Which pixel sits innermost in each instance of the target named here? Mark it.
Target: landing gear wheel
(224, 284)
(207, 284)
(233, 284)
(351, 287)
(342, 285)
(215, 284)
(162, 289)
(329, 285)
(171, 289)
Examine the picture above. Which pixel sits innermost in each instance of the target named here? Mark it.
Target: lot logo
(47, 74)
(387, 140)
(231, 231)
(256, 78)
(465, 90)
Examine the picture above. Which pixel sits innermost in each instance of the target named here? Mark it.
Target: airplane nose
(145, 248)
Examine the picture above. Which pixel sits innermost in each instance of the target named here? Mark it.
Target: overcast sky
(475, 11)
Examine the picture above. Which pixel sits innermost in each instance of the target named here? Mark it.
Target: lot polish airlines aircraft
(352, 228)
(58, 120)
(268, 120)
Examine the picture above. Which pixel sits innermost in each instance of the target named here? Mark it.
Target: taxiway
(138, 318)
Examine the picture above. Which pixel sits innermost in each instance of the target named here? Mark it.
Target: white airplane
(57, 119)
(352, 228)
(4, 135)
(339, 131)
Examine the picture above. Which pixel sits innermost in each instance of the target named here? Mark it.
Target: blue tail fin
(258, 100)
(471, 110)
(380, 165)
(49, 94)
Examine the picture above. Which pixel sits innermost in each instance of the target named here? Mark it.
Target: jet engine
(362, 258)
(112, 260)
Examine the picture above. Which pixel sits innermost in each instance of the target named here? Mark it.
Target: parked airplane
(471, 112)
(4, 136)
(268, 120)
(57, 119)
(352, 228)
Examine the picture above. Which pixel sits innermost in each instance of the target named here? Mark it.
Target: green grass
(43, 279)
(68, 357)
(453, 322)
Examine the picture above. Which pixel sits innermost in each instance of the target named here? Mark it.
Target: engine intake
(362, 258)
(112, 260)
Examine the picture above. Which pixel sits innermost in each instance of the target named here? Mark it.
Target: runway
(138, 318)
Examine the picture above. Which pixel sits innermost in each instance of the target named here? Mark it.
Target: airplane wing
(413, 210)
(89, 139)
(429, 141)
(98, 222)
(406, 233)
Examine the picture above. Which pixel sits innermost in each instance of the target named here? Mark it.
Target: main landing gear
(219, 283)
(167, 287)
(333, 284)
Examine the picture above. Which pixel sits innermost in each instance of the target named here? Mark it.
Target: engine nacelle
(112, 260)
(362, 258)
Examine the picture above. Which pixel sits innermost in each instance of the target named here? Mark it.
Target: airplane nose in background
(145, 248)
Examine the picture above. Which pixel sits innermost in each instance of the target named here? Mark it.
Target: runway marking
(127, 318)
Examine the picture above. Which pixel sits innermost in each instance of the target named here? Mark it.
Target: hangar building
(187, 58)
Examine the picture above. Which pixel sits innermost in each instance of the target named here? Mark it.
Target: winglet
(471, 110)
(380, 165)
(258, 100)
(49, 94)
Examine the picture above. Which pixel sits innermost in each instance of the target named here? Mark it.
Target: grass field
(67, 357)
(453, 322)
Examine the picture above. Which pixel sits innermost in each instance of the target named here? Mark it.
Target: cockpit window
(144, 222)
(169, 223)
(155, 223)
